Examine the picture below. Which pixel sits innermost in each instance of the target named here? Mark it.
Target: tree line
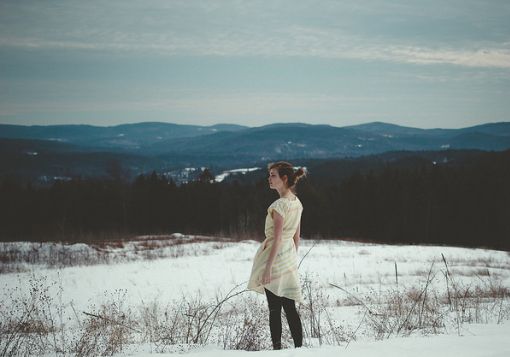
(463, 205)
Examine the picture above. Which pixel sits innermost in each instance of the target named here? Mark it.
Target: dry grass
(107, 329)
(16, 258)
(36, 322)
(429, 310)
(236, 320)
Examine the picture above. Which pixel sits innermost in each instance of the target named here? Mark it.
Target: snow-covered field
(461, 302)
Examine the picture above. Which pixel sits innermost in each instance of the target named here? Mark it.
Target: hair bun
(301, 172)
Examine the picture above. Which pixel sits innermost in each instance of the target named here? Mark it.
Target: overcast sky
(434, 63)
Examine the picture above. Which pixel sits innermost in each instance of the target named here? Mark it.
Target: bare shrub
(34, 321)
(166, 327)
(15, 256)
(316, 317)
(397, 312)
(427, 310)
(31, 321)
(190, 321)
(481, 303)
(244, 326)
(107, 330)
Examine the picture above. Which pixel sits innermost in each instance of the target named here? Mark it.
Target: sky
(417, 63)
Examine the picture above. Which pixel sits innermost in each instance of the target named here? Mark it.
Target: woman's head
(283, 176)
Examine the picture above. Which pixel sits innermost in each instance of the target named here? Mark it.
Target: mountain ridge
(139, 147)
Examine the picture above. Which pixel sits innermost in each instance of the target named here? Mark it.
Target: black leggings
(275, 319)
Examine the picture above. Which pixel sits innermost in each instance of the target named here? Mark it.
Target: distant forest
(464, 204)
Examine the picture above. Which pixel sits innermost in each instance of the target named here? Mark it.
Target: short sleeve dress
(284, 273)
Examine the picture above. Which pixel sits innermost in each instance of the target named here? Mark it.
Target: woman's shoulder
(278, 202)
(281, 200)
(284, 201)
(284, 206)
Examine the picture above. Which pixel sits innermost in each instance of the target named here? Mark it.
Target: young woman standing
(274, 270)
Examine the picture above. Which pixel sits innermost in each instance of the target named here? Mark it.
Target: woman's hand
(266, 277)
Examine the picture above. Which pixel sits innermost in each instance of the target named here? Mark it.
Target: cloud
(308, 44)
(483, 57)
(371, 31)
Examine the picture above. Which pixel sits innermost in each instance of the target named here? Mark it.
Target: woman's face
(275, 181)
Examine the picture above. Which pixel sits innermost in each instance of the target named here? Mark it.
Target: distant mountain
(119, 137)
(90, 150)
(498, 129)
(287, 140)
(298, 140)
(387, 129)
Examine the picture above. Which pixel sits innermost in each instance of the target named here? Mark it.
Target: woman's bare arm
(297, 236)
(278, 230)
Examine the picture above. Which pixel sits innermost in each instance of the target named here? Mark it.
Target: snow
(218, 266)
(478, 341)
(212, 268)
(225, 174)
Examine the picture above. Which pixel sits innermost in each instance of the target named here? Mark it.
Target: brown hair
(286, 169)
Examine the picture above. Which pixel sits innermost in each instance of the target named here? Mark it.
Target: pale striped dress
(284, 273)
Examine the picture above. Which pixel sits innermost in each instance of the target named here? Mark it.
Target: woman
(274, 268)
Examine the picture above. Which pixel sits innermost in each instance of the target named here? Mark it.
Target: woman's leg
(295, 327)
(275, 319)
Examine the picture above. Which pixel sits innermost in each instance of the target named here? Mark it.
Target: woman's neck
(286, 194)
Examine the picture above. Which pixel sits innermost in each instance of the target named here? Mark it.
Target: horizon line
(250, 127)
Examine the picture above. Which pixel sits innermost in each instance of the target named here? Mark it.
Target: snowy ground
(212, 269)
(478, 341)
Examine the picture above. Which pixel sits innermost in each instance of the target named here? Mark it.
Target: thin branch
(112, 321)
(424, 290)
(353, 335)
(356, 298)
(306, 254)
